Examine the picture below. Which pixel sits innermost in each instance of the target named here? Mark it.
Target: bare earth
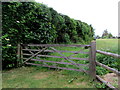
(112, 78)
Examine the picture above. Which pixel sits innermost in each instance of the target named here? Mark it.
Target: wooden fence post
(92, 58)
(18, 54)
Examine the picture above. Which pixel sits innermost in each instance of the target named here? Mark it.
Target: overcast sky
(102, 14)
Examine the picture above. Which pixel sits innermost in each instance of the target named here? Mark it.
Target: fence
(32, 52)
(108, 68)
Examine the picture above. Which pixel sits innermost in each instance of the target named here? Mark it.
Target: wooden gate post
(92, 58)
(21, 54)
(18, 54)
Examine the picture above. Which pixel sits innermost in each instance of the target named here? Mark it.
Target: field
(37, 77)
(108, 45)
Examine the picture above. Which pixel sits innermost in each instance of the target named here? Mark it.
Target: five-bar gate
(32, 53)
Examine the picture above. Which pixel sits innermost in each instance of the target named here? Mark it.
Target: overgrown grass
(38, 77)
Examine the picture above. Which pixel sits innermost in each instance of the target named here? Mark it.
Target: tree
(105, 34)
(110, 35)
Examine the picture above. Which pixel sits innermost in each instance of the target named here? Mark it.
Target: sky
(101, 14)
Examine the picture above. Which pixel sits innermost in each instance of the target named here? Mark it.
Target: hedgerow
(31, 22)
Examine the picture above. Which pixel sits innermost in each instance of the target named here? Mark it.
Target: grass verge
(38, 77)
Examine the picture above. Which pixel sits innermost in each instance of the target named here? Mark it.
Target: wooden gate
(37, 54)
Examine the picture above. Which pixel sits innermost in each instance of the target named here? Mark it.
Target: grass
(36, 77)
(108, 45)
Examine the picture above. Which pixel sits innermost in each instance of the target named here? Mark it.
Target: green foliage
(100, 85)
(67, 38)
(107, 60)
(31, 22)
(101, 71)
